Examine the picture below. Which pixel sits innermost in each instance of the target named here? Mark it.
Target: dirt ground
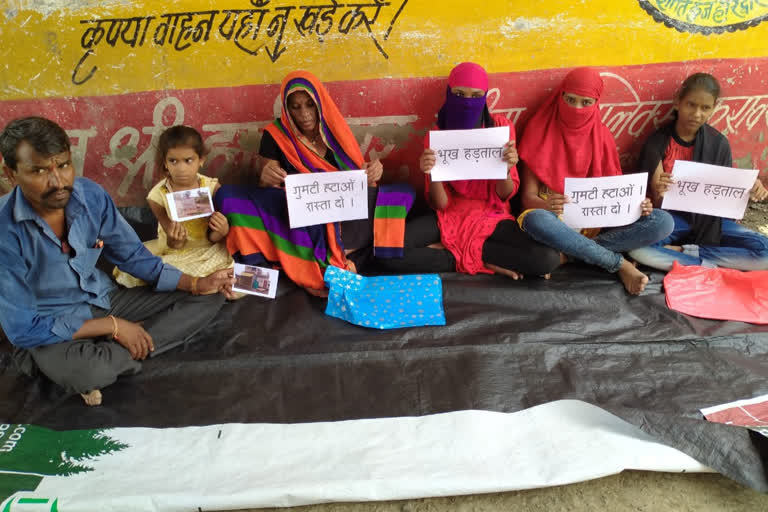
(636, 491)
(756, 217)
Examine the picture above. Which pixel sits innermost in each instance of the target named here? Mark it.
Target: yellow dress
(199, 257)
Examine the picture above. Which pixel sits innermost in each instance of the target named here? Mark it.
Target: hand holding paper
(218, 226)
(427, 161)
(509, 153)
(646, 207)
(272, 175)
(555, 202)
(176, 236)
(373, 170)
(665, 182)
(759, 192)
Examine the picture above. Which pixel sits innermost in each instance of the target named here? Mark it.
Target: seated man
(64, 316)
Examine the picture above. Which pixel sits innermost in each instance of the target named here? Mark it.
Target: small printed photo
(256, 280)
(190, 204)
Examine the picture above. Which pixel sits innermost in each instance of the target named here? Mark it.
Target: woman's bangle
(114, 327)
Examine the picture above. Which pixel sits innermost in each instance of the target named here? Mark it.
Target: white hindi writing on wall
(709, 189)
(469, 154)
(604, 202)
(322, 197)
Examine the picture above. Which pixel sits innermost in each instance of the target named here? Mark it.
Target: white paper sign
(190, 204)
(469, 154)
(255, 280)
(604, 202)
(709, 189)
(322, 197)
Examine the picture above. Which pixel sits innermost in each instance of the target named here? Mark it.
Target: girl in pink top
(474, 217)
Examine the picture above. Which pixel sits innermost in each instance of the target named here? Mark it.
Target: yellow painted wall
(42, 41)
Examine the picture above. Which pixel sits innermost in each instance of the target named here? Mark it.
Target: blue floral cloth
(385, 302)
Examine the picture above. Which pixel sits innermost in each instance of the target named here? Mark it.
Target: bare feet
(633, 280)
(92, 397)
(437, 245)
(675, 248)
(503, 271)
(563, 261)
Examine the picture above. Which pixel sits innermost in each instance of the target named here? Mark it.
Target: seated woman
(697, 239)
(310, 136)
(474, 215)
(566, 138)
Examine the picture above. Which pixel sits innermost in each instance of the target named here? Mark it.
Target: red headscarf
(562, 141)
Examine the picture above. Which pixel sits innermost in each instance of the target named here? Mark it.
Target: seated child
(697, 239)
(192, 246)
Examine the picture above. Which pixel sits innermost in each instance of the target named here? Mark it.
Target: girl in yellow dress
(193, 246)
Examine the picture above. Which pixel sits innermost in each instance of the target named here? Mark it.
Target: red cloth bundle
(718, 293)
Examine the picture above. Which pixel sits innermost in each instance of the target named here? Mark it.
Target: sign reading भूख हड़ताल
(707, 17)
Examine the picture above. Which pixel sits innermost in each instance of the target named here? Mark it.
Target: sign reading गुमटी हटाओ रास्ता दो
(322, 197)
(604, 202)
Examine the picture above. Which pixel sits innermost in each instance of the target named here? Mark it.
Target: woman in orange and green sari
(311, 135)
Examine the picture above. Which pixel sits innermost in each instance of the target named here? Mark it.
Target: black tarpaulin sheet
(507, 346)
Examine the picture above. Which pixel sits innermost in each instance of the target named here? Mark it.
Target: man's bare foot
(633, 280)
(547, 276)
(675, 248)
(563, 258)
(437, 245)
(505, 272)
(317, 292)
(92, 397)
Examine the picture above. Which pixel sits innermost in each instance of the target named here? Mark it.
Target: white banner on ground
(604, 202)
(709, 189)
(242, 466)
(322, 197)
(469, 154)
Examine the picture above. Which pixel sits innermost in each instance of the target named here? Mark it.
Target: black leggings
(418, 258)
(510, 248)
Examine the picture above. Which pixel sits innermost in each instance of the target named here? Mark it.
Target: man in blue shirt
(64, 316)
